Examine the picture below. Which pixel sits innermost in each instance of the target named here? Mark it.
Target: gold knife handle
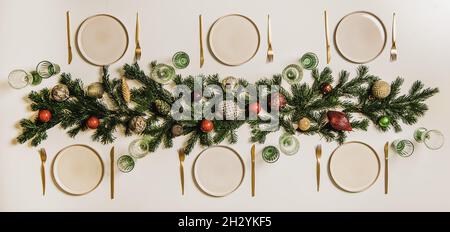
(393, 29)
(318, 175)
(200, 22)
(253, 178)
(386, 170)
(182, 177)
(43, 178)
(112, 174)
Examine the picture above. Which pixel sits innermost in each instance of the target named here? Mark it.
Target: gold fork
(43, 155)
(182, 156)
(318, 156)
(269, 41)
(138, 50)
(394, 45)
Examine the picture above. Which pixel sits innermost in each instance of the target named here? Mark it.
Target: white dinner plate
(354, 167)
(77, 170)
(360, 37)
(233, 39)
(218, 171)
(102, 39)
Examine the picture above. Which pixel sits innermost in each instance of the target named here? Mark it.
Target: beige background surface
(31, 31)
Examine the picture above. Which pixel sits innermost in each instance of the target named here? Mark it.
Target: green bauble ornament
(162, 107)
(384, 122)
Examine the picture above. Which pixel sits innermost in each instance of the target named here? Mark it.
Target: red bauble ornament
(93, 122)
(277, 100)
(206, 125)
(327, 88)
(45, 115)
(254, 107)
(339, 121)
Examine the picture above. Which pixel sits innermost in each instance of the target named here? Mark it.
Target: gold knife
(182, 156)
(111, 154)
(318, 156)
(202, 59)
(253, 170)
(69, 47)
(43, 155)
(327, 38)
(386, 170)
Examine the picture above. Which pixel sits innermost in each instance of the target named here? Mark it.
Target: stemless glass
(126, 163)
(270, 154)
(289, 144)
(19, 79)
(309, 61)
(138, 148)
(46, 69)
(403, 147)
(292, 73)
(180, 60)
(433, 139)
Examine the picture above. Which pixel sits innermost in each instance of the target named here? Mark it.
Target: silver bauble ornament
(60, 93)
(138, 124)
(228, 109)
(177, 130)
(381, 89)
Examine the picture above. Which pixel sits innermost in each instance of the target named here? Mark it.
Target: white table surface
(31, 31)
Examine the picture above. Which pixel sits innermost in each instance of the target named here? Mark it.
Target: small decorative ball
(44, 115)
(254, 107)
(304, 124)
(339, 121)
(177, 130)
(381, 89)
(93, 122)
(196, 96)
(277, 100)
(326, 88)
(228, 109)
(206, 125)
(384, 122)
(95, 90)
(162, 107)
(138, 124)
(60, 92)
(229, 83)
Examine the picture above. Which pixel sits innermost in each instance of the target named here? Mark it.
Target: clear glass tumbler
(46, 69)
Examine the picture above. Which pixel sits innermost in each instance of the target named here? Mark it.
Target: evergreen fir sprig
(351, 96)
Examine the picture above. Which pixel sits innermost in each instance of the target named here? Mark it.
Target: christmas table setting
(235, 115)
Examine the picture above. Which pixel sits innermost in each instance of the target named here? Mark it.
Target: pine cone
(126, 91)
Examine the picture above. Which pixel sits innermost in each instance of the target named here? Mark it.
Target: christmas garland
(328, 108)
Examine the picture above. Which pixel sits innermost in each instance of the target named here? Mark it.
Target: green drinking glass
(289, 144)
(433, 139)
(309, 61)
(46, 69)
(180, 60)
(270, 154)
(126, 163)
(403, 147)
(293, 73)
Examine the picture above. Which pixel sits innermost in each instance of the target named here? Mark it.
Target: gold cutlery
(43, 155)
(394, 45)
(69, 47)
(200, 21)
(318, 156)
(253, 170)
(182, 156)
(111, 154)
(269, 41)
(138, 50)
(386, 170)
(327, 37)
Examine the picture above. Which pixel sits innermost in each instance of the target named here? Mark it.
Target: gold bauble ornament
(381, 89)
(304, 124)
